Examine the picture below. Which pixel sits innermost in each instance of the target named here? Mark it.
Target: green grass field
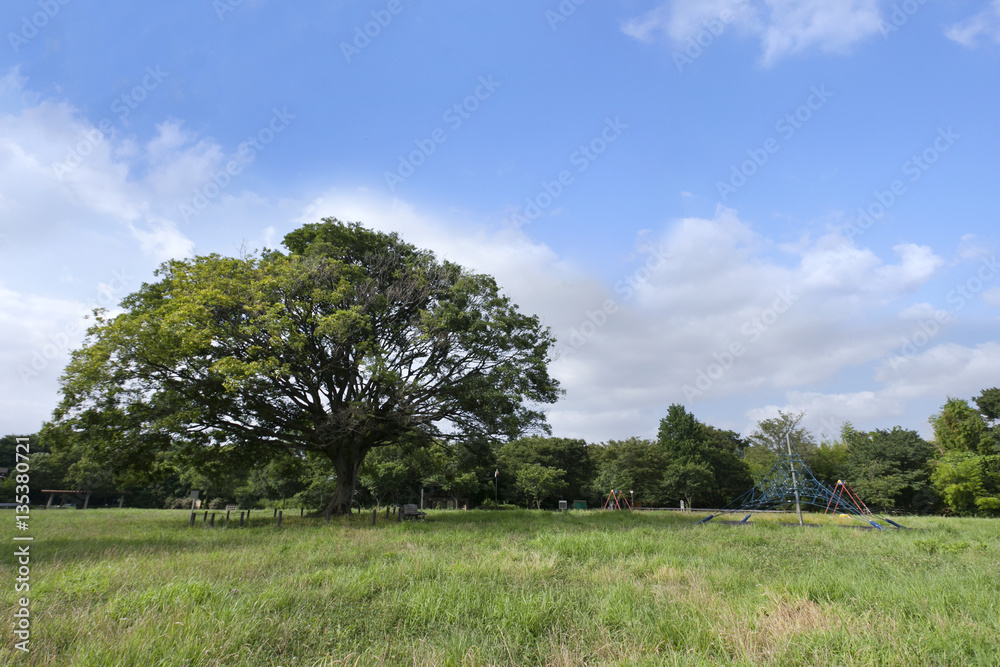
(139, 587)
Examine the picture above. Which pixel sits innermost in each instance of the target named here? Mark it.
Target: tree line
(892, 470)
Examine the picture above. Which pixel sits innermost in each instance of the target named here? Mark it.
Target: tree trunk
(347, 462)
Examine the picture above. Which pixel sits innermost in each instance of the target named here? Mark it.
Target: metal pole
(421, 498)
(795, 483)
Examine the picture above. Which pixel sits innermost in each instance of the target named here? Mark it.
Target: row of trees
(891, 469)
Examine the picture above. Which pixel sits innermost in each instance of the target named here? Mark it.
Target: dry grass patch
(776, 625)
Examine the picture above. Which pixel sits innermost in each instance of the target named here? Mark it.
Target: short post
(227, 516)
(302, 511)
(205, 518)
(241, 519)
(192, 518)
(279, 519)
(399, 515)
(374, 513)
(386, 511)
(275, 511)
(212, 522)
(328, 515)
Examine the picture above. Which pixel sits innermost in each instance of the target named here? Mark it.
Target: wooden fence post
(192, 518)
(241, 519)
(279, 519)
(374, 513)
(212, 522)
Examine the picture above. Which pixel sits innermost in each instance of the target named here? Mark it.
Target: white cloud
(784, 27)
(161, 240)
(59, 171)
(985, 24)
(992, 296)
(682, 19)
(36, 335)
(832, 26)
(910, 392)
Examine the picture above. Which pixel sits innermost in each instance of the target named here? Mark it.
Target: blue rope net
(777, 491)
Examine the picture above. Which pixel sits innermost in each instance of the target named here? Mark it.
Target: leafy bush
(178, 503)
(489, 504)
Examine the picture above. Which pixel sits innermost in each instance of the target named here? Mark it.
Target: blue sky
(677, 188)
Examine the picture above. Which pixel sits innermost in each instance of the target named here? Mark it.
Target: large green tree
(773, 434)
(540, 482)
(889, 469)
(350, 341)
(702, 462)
(568, 455)
(967, 470)
(633, 465)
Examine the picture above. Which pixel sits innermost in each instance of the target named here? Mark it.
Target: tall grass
(134, 587)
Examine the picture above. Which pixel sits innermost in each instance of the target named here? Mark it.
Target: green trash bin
(579, 504)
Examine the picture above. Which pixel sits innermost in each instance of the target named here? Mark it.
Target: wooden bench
(232, 508)
(74, 493)
(411, 512)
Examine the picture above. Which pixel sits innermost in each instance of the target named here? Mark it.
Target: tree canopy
(701, 461)
(967, 471)
(889, 468)
(350, 341)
